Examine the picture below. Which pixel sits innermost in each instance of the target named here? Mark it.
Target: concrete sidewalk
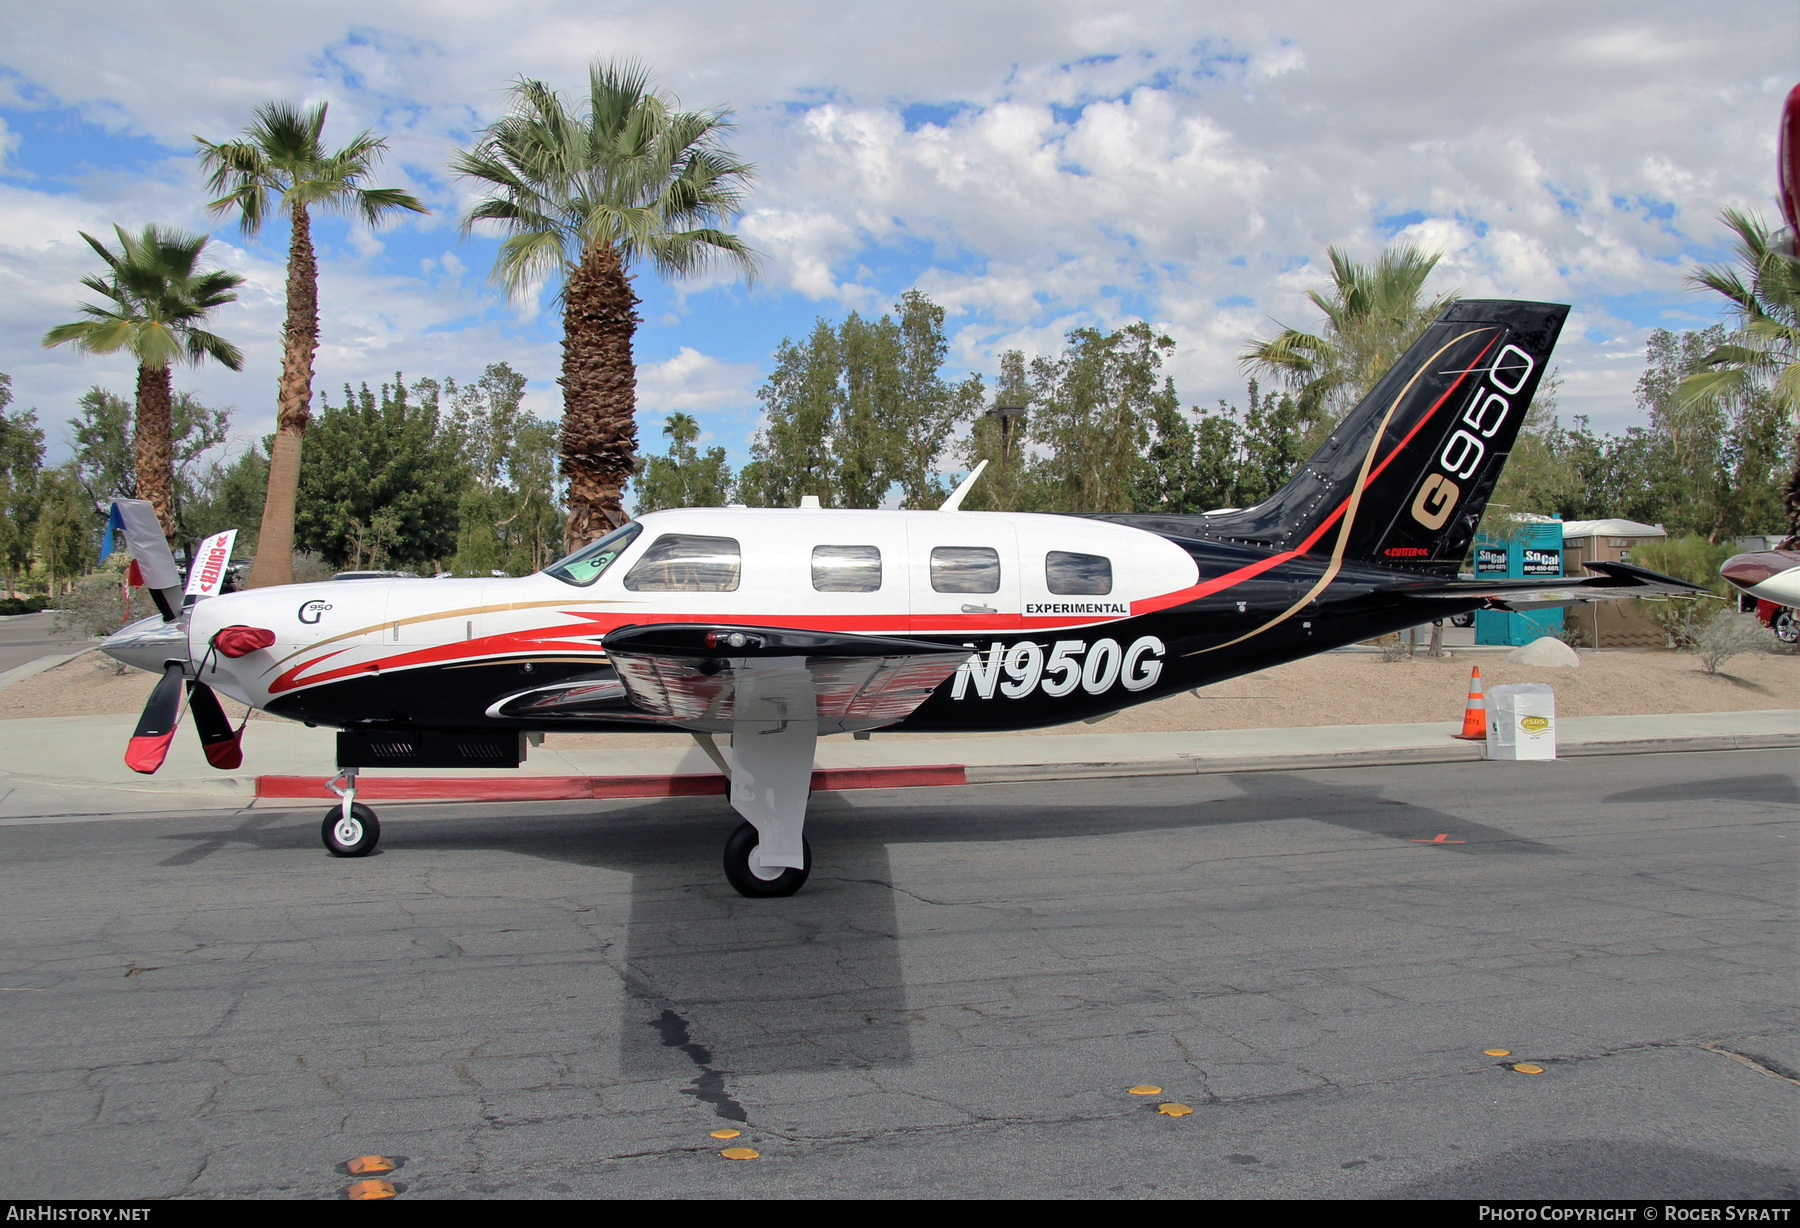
(74, 765)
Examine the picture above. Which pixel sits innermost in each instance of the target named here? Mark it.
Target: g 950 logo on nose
(313, 611)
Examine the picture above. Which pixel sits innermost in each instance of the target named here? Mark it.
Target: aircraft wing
(1612, 581)
(712, 677)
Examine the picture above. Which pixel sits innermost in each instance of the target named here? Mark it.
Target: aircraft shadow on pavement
(1770, 788)
(723, 985)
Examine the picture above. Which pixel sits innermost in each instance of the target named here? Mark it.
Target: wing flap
(698, 676)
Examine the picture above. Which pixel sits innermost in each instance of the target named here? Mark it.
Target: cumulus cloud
(692, 381)
(1032, 166)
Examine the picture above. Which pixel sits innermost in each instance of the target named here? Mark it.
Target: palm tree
(281, 164)
(1764, 291)
(158, 297)
(1372, 314)
(584, 194)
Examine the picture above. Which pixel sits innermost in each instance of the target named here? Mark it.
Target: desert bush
(310, 568)
(96, 606)
(37, 603)
(1394, 648)
(1728, 634)
(1572, 632)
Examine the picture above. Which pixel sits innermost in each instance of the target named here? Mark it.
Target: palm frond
(628, 170)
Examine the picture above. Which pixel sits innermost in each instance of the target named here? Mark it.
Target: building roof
(1611, 528)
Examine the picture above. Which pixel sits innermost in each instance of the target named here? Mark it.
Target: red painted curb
(569, 788)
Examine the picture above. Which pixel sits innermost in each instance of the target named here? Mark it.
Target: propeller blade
(149, 745)
(217, 738)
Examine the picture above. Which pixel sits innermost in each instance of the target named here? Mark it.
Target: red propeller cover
(240, 641)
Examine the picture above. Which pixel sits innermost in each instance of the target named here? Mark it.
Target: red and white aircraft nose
(1771, 575)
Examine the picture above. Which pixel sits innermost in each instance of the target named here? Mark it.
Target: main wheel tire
(355, 836)
(1786, 626)
(748, 882)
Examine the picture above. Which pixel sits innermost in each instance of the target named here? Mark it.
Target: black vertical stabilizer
(1425, 447)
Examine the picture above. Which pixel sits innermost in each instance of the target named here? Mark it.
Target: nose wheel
(752, 879)
(351, 828)
(352, 834)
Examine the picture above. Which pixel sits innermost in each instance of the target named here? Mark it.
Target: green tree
(487, 415)
(791, 453)
(1372, 314)
(380, 480)
(105, 444)
(158, 295)
(1093, 408)
(1004, 484)
(927, 410)
(281, 165)
(228, 494)
(686, 477)
(21, 462)
(68, 527)
(510, 519)
(1763, 356)
(583, 195)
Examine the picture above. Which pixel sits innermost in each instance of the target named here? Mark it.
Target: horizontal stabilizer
(1612, 581)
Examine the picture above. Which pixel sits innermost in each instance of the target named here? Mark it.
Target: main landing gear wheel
(1786, 626)
(749, 880)
(354, 836)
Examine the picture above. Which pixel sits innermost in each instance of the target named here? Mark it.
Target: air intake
(416, 748)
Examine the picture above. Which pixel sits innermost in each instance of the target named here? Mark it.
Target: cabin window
(684, 563)
(965, 569)
(585, 566)
(1073, 575)
(846, 569)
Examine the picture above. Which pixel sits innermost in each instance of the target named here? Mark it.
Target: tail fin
(1404, 478)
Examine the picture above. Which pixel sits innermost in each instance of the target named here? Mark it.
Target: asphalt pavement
(25, 638)
(557, 999)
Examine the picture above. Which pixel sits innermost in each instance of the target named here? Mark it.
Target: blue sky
(1032, 167)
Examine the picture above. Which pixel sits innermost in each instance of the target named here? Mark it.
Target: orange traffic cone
(1475, 715)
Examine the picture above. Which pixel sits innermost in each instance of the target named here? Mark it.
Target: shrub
(95, 606)
(11, 605)
(1728, 634)
(37, 603)
(1572, 632)
(1691, 558)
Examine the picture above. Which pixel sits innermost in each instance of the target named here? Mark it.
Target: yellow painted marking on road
(740, 1153)
(1498, 1052)
(726, 1133)
(374, 1187)
(1528, 1068)
(1145, 1089)
(1175, 1110)
(371, 1164)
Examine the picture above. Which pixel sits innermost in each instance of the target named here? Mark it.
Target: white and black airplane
(775, 626)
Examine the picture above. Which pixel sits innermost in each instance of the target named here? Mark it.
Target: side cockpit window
(586, 565)
(686, 563)
(1077, 575)
(965, 569)
(846, 569)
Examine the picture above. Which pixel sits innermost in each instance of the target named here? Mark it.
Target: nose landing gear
(351, 828)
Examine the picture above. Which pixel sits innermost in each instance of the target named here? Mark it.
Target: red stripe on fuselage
(557, 639)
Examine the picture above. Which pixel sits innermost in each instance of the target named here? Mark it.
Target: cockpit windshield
(584, 566)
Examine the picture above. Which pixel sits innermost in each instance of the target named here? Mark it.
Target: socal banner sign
(207, 576)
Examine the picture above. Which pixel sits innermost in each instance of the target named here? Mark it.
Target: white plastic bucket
(1521, 721)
